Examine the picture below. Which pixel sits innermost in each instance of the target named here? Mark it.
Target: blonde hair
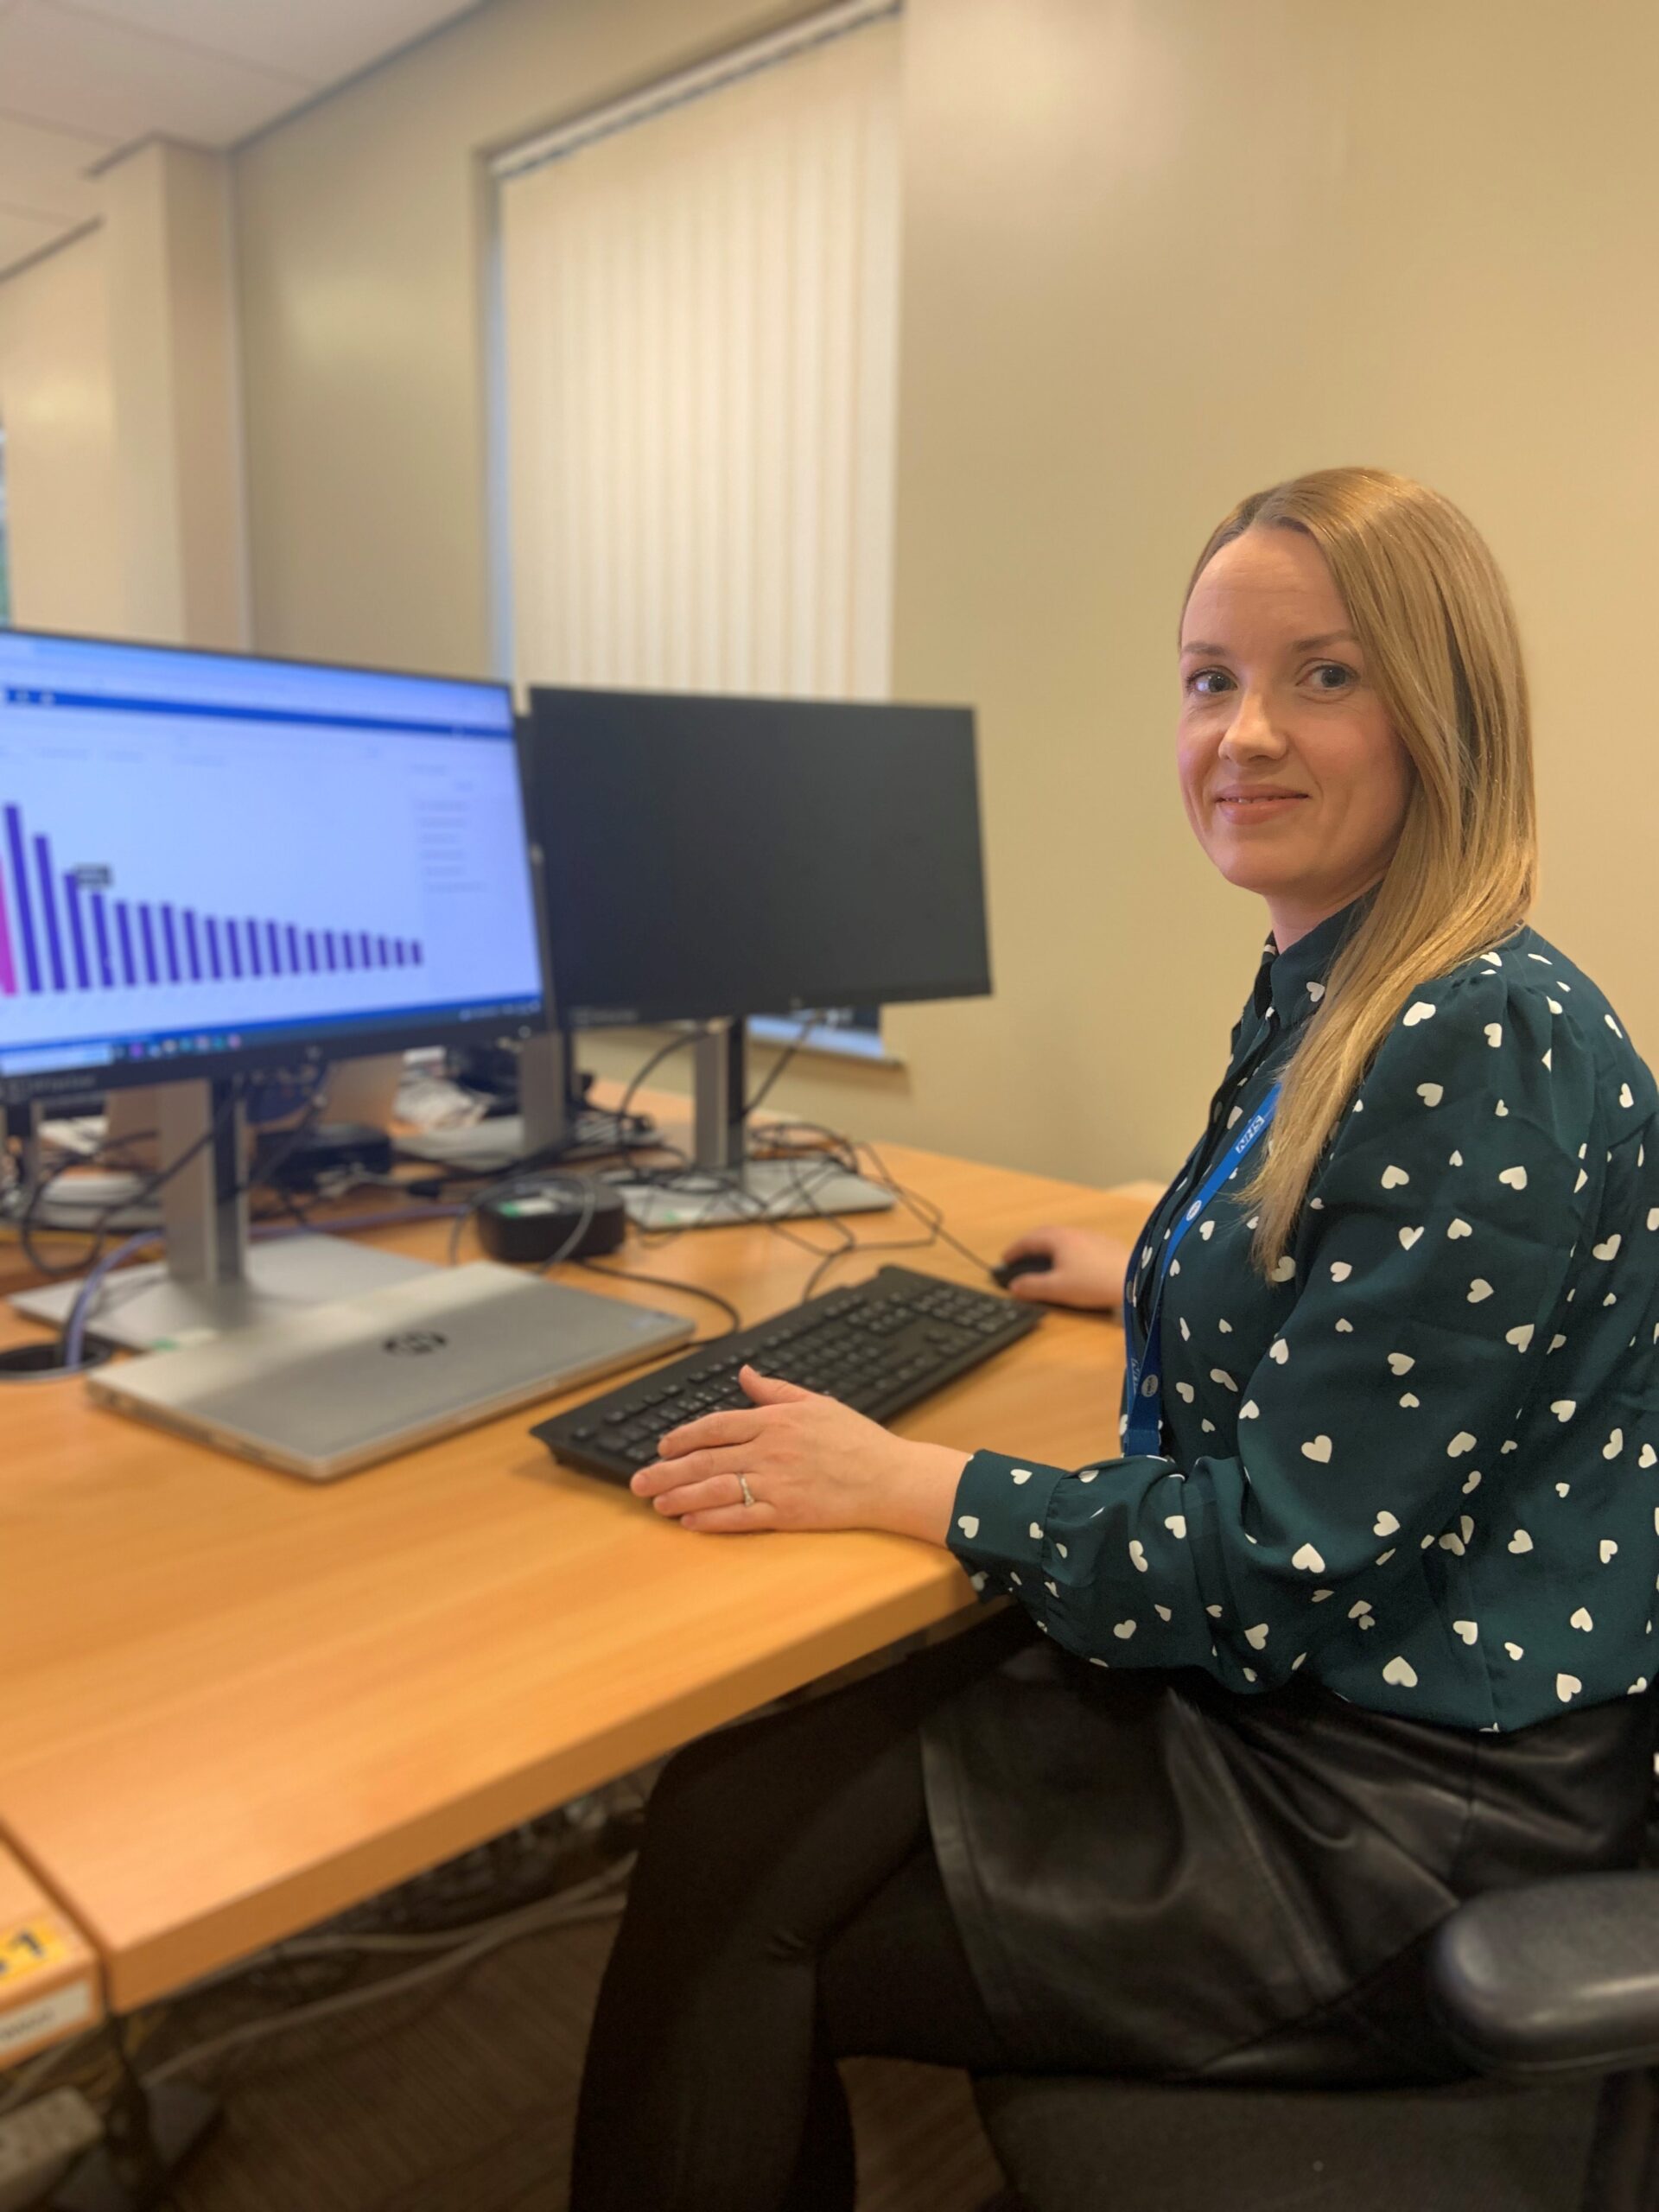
(1433, 618)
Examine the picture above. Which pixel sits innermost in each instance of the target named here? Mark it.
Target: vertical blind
(699, 306)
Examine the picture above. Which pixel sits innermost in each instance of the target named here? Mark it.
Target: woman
(1358, 1624)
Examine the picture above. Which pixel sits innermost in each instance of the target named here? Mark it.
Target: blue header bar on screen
(87, 674)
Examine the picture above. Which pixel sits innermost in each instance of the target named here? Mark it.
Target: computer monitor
(210, 863)
(706, 857)
(709, 859)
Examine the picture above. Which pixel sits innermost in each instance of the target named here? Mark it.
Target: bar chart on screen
(64, 928)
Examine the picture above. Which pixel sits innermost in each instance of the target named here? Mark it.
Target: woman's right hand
(1085, 1268)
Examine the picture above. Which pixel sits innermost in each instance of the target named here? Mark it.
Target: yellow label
(28, 1945)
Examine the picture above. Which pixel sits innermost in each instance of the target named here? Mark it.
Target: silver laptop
(343, 1384)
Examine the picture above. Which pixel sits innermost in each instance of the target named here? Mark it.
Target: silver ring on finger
(743, 1485)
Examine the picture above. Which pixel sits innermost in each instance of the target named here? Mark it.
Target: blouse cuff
(999, 1521)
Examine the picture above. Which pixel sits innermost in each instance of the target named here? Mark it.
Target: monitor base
(146, 1309)
(762, 1190)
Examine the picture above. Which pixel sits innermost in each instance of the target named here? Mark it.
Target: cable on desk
(668, 1283)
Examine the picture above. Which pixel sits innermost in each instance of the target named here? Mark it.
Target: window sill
(838, 1043)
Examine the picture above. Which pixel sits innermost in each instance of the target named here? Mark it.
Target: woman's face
(1294, 781)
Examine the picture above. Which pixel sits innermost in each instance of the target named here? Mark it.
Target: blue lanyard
(1145, 1429)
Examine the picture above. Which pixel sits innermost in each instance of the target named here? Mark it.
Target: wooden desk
(236, 1703)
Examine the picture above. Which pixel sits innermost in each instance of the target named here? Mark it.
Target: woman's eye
(1331, 676)
(1209, 682)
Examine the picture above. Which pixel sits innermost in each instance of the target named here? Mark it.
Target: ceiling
(81, 78)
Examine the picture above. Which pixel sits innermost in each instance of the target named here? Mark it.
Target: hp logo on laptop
(413, 1341)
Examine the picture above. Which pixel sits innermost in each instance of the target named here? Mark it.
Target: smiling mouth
(1256, 798)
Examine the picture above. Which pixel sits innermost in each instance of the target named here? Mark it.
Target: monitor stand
(724, 1187)
(215, 1277)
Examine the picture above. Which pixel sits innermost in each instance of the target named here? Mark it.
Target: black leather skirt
(1154, 1876)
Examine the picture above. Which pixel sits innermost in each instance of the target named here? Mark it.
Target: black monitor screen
(705, 856)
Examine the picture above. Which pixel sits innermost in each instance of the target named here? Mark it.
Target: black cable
(111, 1153)
(675, 1044)
(668, 1283)
(781, 1062)
(98, 1229)
(912, 1202)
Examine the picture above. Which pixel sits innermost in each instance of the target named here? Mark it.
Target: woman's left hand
(808, 1463)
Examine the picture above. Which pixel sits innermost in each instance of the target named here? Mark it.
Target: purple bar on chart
(77, 933)
(328, 951)
(147, 935)
(349, 948)
(192, 950)
(170, 943)
(124, 941)
(213, 968)
(235, 950)
(253, 943)
(311, 951)
(382, 942)
(8, 972)
(124, 931)
(397, 951)
(101, 940)
(19, 891)
(366, 956)
(273, 948)
(293, 950)
(49, 910)
(415, 952)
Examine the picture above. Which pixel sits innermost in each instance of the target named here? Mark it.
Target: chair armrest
(1553, 1977)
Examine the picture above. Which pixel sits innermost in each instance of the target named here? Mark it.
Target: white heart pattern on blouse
(1402, 1673)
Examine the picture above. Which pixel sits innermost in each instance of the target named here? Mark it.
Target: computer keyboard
(878, 1346)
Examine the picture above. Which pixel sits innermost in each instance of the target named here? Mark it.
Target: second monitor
(711, 858)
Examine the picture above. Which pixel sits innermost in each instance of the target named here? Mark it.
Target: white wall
(57, 405)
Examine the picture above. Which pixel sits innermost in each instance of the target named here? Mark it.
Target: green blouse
(1423, 1461)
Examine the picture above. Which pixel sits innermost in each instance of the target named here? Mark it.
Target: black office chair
(1551, 1991)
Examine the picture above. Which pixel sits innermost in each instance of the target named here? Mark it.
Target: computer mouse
(1028, 1263)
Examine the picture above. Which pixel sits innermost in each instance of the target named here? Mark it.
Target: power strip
(39, 2142)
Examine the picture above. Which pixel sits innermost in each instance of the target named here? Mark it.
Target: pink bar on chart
(8, 970)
